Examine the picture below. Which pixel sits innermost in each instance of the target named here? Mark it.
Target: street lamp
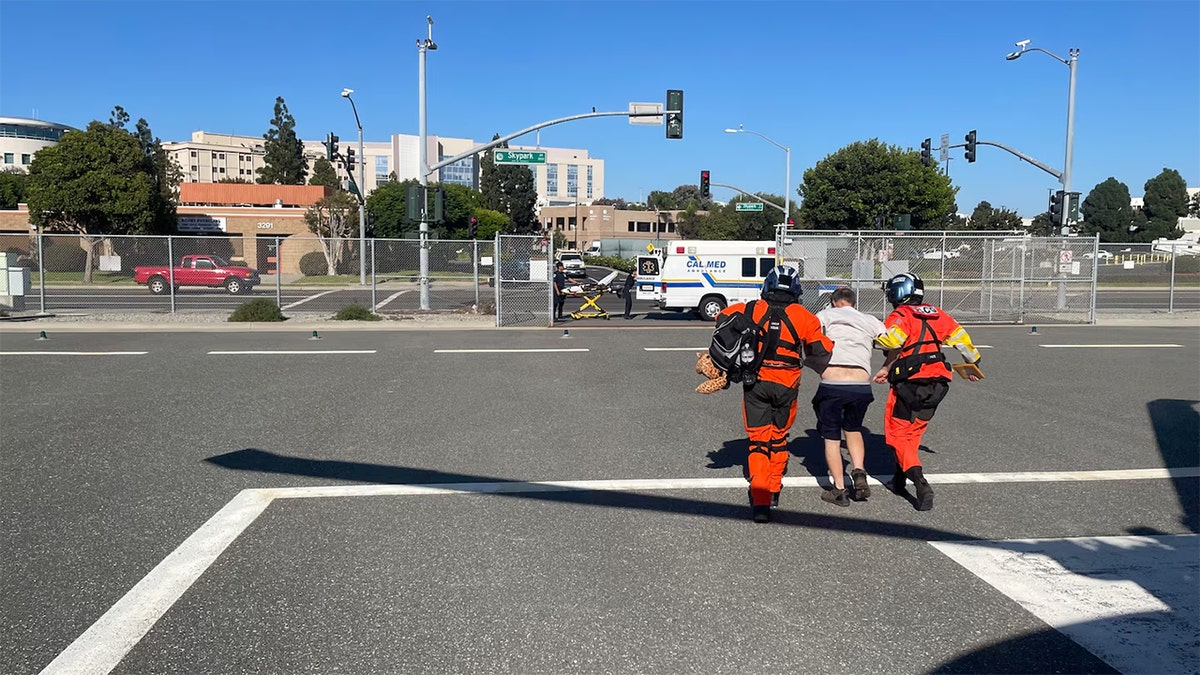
(362, 213)
(423, 47)
(787, 187)
(1072, 64)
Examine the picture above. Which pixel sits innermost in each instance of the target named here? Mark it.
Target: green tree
(1106, 211)
(490, 222)
(12, 187)
(94, 183)
(1042, 226)
(324, 174)
(658, 200)
(1194, 205)
(687, 224)
(233, 179)
(160, 165)
(388, 206)
(690, 194)
(461, 203)
(334, 218)
(987, 217)
(509, 189)
(284, 153)
(754, 225)
(1165, 202)
(868, 182)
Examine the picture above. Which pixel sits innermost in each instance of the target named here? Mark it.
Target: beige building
(583, 224)
(569, 175)
(21, 138)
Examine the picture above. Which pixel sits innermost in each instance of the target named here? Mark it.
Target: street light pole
(423, 46)
(1071, 63)
(787, 187)
(362, 212)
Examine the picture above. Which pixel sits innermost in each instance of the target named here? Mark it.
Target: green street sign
(747, 206)
(519, 157)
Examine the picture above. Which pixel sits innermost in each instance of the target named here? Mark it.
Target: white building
(569, 175)
(21, 138)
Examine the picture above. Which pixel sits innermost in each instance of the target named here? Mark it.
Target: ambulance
(704, 276)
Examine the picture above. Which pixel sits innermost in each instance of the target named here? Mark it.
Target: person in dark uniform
(630, 282)
(560, 286)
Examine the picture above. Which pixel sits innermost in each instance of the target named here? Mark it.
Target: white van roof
(713, 246)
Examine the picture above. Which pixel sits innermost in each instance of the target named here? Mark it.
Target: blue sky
(814, 76)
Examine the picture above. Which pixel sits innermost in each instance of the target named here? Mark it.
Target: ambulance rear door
(649, 281)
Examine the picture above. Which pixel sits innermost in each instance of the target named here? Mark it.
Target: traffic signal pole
(754, 196)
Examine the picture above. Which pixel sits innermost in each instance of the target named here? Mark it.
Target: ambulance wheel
(711, 306)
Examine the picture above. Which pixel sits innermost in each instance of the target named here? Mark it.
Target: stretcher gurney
(591, 293)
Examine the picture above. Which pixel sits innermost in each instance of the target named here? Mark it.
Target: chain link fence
(302, 274)
(979, 277)
(524, 267)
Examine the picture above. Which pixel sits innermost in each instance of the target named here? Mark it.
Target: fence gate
(522, 273)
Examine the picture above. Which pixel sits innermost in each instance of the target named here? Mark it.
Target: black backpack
(736, 340)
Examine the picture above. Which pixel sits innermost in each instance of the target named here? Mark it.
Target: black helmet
(784, 278)
(905, 288)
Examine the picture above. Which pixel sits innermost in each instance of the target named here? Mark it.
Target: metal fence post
(278, 274)
(475, 270)
(374, 302)
(41, 274)
(171, 269)
(1171, 294)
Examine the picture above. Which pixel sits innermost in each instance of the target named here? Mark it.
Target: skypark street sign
(519, 157)
(745, 206)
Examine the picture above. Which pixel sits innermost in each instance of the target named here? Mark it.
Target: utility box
(14, 282)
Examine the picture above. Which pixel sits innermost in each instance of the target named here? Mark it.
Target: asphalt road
(115, 463)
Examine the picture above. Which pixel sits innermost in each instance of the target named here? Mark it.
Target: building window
(194, 167)
(533, 170)
(222, 169)
(589, 181)
(24, 158)
(193, 153)
(551, 179)
(8, 158)
(221, 156)
(461, 172)
(572, 180)
(632, 227)
(643, 227)
(382, 175)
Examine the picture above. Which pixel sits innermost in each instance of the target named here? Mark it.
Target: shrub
(615, 262)
(1187, 264)
(261, 309)
(63, 257)
(313, 264)
(356, 313)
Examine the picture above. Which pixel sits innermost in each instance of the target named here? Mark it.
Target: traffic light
(414, 203)
(331, 146)
(474, 231)
(705, 188)
(675, 119)
(439, 206)
(350, 160)
(927, 152)
(1056, 207)
(971, 146)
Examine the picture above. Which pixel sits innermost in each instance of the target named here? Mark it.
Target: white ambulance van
(707, 276)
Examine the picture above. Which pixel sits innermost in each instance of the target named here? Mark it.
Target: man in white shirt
(844, 394)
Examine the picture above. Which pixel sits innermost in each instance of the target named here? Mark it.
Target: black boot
(898, 481)
(924, 492)
(762, 514)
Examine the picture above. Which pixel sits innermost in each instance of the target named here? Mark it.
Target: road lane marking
(1118, 597)
(103, 645)
(311, 297)
(507, 351)
(50, 353)
(390, 298)
(1106, 346)
(294, 351)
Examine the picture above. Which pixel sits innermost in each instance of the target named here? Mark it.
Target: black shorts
(841, 407)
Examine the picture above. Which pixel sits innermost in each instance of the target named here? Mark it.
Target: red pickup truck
(198, 270)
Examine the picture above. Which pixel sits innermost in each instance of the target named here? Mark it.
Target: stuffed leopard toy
(716, 379)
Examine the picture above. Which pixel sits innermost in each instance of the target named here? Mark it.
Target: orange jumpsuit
(911, 403)
(769, 405)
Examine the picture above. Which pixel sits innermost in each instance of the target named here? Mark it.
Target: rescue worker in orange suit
(917, 370)
(769, 403)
